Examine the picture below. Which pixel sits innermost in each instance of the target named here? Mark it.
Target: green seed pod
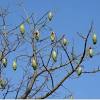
(2, 84)
(71, 97)
(52, 36)
(90, 52)
(79, 71)
(34, 63)
(94, 38)
(14, 65)
(28, 20)
(4, 62)
(64, 41)
(37, 35)
(54, 55)
(22, 29)
(1, 55)
(50, 16)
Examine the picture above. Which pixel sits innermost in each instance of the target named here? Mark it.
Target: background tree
(40, 64)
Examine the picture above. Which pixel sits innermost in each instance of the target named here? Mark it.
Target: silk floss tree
(42, 58)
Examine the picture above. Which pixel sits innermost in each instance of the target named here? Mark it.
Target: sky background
(70, 16)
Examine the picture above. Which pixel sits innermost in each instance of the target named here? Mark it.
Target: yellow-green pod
(90, 52)
(64, 41)
(52, 36)
(14, 65)
(1, 55)
(34, 63)
(22, 29)
(28, 20)
(71, 97)
(94, 38)
(37, 35)
(54, 55)
(2, 83)
(79, 71)
(4, 62)
(50, 16)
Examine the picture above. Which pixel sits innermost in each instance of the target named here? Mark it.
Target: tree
(39, 59)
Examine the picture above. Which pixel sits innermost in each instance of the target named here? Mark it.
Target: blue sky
(70, 16)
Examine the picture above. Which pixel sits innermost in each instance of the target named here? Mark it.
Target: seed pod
(2, 84)
(1, 55)
(22, 29)
(71, 97)
(37, 35)
(34, 63)
(94, 38)
(14, 65)
(4, 62)
(50, 16)
(90, 52)
(79, 71)
(52, 36)
(64, 41)
(28, 20)
(54, 55)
